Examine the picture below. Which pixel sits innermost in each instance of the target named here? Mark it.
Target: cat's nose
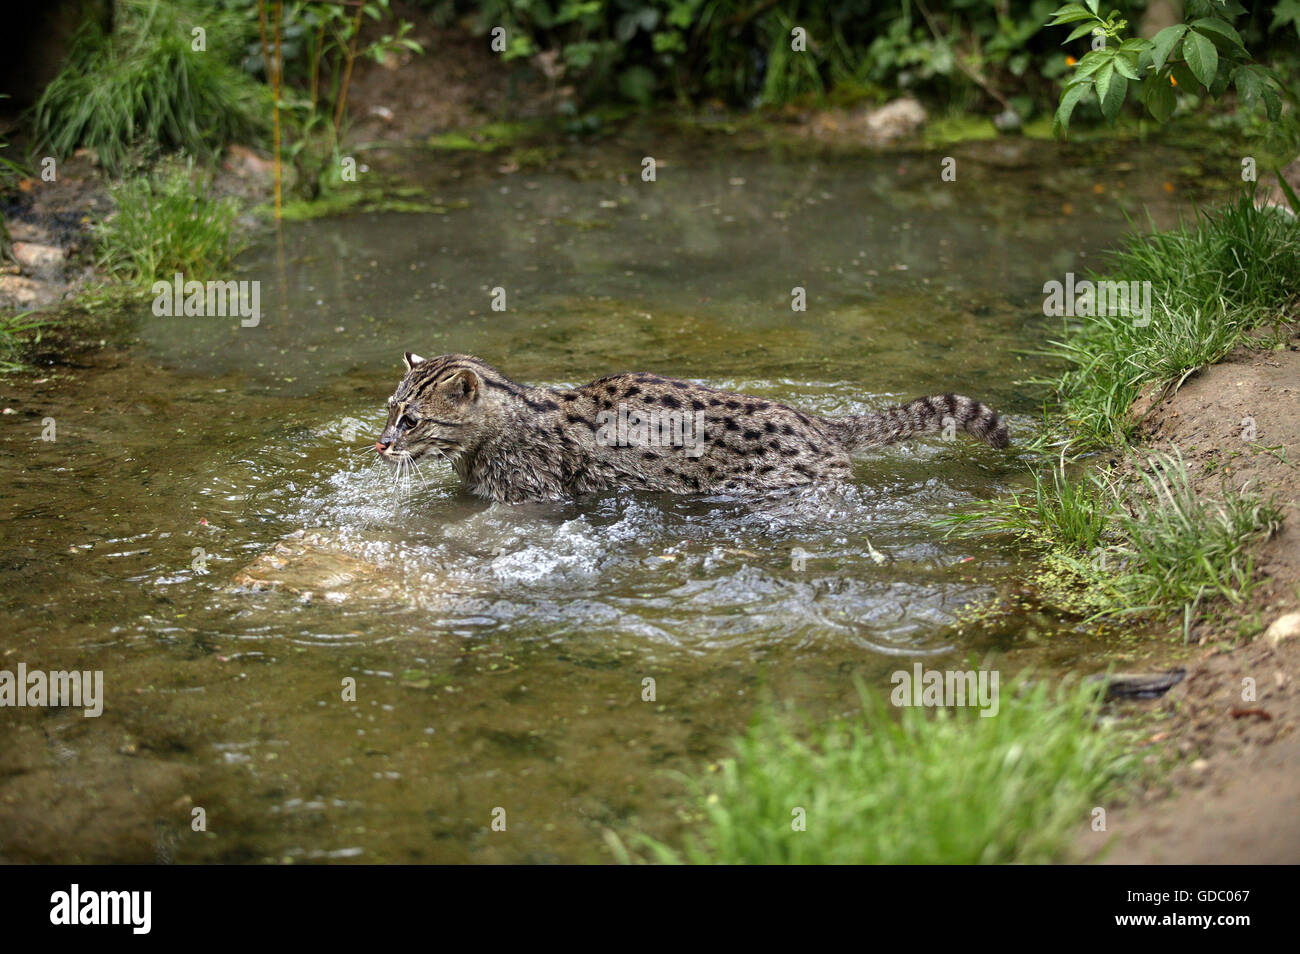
(381, 446)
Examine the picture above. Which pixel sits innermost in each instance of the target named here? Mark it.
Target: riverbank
(1182, 519)
(1187, 499)
(1234, 796)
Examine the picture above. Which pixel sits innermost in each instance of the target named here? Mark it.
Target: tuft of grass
(1177, 552)
(165, 224)
(1181, 548)
(145, 88)
(1058, 513)
(13, 331)
(1213, 285)
(920, 788)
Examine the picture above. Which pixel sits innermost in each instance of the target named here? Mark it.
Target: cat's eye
(406, 421)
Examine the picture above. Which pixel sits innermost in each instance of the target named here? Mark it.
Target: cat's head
(447, 404)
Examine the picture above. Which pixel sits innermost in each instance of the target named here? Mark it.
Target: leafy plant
(1060, 511)
(316, 45)
(741, 51)
(969, 53)
(1206, 52)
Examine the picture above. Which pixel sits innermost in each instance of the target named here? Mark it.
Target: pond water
(500, 654)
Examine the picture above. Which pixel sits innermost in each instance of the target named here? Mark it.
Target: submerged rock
(322, 566)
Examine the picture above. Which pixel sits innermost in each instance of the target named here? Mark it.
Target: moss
(364, 199)
(958, 127)
(328, 203)
(486, 138)
(458, 141)
(584, 225)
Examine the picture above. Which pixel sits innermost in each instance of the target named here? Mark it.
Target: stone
(895, 120)
(35, 256)
(1284, 627)
(20, 294)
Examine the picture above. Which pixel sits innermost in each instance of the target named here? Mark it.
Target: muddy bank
(1234, 795)
(52, 224)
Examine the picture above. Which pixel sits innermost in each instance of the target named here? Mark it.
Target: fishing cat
(511, 442)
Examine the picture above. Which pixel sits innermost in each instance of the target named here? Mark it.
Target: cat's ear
(411, 360)
(463, 385)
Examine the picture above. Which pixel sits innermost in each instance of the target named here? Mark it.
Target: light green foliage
(165, 223)
(1213, 284)
(320, 44)
(1177, 553)
(1060, 512)
(14, 331)
(1180, 548)
(912, 786)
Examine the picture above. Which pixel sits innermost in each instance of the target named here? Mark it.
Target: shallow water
(500, 653)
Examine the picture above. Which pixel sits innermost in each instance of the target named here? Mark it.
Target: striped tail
(920, 416)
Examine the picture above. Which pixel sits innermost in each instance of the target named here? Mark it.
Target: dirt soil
(458, 83)
(1234, 796)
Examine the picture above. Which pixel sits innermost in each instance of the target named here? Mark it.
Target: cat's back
(681, 436)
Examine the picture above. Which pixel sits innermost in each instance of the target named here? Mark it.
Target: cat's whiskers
(415, 466)
(405, 468)
(397, 474)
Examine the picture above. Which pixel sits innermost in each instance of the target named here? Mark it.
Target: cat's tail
(938, 413)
